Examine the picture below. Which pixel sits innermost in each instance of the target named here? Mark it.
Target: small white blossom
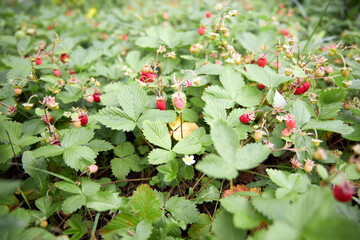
(189, 160)
(67, 114)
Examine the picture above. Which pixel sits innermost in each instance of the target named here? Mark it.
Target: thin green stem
(317, 25)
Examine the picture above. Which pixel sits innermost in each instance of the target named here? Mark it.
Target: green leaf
(8, 187)
(288, 183)
(27, 140)
(214, 166)
(224, 229)
(132, 98)
(213, 111)
(157, 133)
(160, 156)
(232, 81)
(68, 187)
(79, 157)
(188, 145)
(330, 102)
(89, 187)
(302, 112)
(333, 126)
(251, 155)
(99, 145)
(143, 230)
(124, 149)
(253, 43)
(147, 42)
(265, 76)
(170, 170)
(355, 134)
(73, 203)
(80, 57)
(218, 96)
(249, 96)
(14, 130)
(48, 151)
(103, 201)
(146, 204)
(46, 206)
(209, 69)
(29, 160)
(78, 227)
(278, 100)
(6, 152)
(70, 94)
(156, 114)
(322, 171)
(21, 67)
(120, 222)
(182, 209)
(272, 208)
(115, 118)
(119, 168)
(133, 59)
(76, 136)
(201, 228)
(225, 140)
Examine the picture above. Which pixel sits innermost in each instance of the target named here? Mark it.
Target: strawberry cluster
(303, 88)
(148, 74)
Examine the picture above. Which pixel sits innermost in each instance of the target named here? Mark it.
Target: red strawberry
(290, 122)
(50, 119)
(124, 37)
(179, 102)
(343, 192)
(286, 132)
(161, 104)
(64, 58)
(56, 72)
(246, 118)
(208, 14)
(38, 61)
(83, 120)
(262, 61)
(165, 16)
(49, 27)
(302, 88)
(96, 96)
(151, 76)
(261, 86)
(201, 30)
(72, 72)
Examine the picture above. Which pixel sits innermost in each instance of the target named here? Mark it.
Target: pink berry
(286, 132)
(201, 30)
(90, 98)
(208, 14)
(290, 122)
(56, 72)
(93, 168)
(179, 102)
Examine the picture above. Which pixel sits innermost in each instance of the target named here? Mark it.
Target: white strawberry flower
(189, 160)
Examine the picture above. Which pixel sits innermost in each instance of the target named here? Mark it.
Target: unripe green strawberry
(345, 72)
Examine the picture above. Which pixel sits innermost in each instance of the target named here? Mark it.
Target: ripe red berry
(50, 119)
(64, 58)
(260, 86)
(124, 37)
(151, 77)
(161, 104)
(208, 14)
(38, 61)
(262, 61)
(56, 72)
(72, 72)
(306, 86)
(290, 122)
(246, 118)
(96, 97)
(83, 120)
(49, 27)
(286, 132)
(201, 30)
(343, 192)
(302, 88)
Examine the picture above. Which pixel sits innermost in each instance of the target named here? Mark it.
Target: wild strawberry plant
(207, 120)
